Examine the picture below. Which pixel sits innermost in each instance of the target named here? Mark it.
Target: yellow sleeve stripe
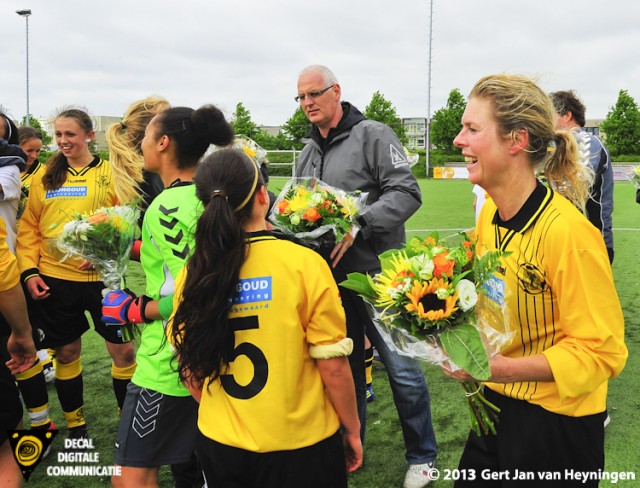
(328, 351)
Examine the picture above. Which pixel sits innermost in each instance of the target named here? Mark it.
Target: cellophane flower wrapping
(104, 237)
(436, 301)
(248, 146)
(316, 212)
(634, 176)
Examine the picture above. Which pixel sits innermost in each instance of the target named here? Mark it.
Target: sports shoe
(370, 395)
(49, 372)
(418, 475)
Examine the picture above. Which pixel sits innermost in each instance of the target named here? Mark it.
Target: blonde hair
(124, 139)
(519, 103)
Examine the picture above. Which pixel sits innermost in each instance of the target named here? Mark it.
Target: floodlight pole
(428, 124)
(26, 13)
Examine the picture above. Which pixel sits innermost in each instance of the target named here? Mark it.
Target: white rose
(294, 219)
(467, 294)
(424, 265)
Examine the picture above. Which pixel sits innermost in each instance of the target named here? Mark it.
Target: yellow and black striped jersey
(286, 312)
(27, 176)
(47, 211)
(561, 301)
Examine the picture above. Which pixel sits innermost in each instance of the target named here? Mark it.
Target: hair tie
(219, 193)
(253, 187)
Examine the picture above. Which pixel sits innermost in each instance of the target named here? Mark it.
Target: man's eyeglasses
(313, 94)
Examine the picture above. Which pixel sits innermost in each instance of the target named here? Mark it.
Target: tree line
(297, 126)
(620, 129)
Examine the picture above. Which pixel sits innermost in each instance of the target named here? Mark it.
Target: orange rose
(97, 218)
(311, 215)
(442, 265)
(283, 206)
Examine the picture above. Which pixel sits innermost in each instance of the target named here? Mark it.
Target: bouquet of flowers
(309, 208)
(634, 176)
(429, 302)
(104, 237)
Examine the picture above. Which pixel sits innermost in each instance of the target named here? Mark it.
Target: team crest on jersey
(531, 279)
(398, 157)
(102, 181)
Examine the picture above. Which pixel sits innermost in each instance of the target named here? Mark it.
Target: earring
(87, 140)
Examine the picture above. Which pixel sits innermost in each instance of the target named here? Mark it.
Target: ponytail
(226, 184)
(566, 173)
(124, 140)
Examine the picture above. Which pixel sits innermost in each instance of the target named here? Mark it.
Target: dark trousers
(532, 441)
(321, 465)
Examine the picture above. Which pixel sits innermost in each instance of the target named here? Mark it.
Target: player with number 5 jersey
(260, 338)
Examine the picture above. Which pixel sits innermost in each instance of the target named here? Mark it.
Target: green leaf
(360, 283)
(464, 346)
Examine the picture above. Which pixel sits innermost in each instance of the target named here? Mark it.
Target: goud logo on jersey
(28, 447)
(251, 290)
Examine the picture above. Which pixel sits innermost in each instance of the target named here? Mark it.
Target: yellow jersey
(47, 211)
(286, 312)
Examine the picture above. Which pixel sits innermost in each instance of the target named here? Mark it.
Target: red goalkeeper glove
(135, 250)
(120, 307)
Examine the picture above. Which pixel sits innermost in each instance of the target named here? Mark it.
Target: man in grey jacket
(350, 152)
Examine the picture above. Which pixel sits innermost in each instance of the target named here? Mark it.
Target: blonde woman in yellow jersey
(61, 292)
(556, 283)
(260, 337)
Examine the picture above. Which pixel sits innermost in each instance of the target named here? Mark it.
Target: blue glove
(120, 307)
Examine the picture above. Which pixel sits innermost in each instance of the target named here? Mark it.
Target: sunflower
(425, 302)
(393, 277)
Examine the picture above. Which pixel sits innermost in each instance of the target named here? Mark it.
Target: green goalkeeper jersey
(167, 241)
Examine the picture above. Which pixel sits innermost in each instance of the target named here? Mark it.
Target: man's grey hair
(327, 75)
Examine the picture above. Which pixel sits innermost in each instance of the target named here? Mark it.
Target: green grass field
(447, 207)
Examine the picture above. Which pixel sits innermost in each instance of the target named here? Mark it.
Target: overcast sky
(105, 55)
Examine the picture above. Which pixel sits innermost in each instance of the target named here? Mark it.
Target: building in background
(592, 126)
(416, 132)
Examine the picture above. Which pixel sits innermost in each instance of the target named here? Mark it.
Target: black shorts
(155, 429)
(10, 405)
(61, 317)
(533, 440)
(321, 465)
